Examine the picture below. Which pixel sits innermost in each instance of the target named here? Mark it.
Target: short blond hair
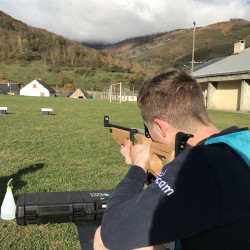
(174, 97)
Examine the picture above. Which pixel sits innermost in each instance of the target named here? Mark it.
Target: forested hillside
(43, 53)
(73, 62)
(19, 41)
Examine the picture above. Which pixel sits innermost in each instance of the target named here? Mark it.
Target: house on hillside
(225, 81)
(79, 93)
(9, 88)
(37, 88)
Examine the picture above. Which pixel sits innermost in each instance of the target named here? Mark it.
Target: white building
(226, 81)
(128, 96)
(37, 88)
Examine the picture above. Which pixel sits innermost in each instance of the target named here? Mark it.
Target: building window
(34, 86)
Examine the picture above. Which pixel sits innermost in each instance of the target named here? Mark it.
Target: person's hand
(126, 152)
(139, 156)
(136, 155)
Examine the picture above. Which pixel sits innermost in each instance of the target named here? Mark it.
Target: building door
(41, 93)
(228, 94)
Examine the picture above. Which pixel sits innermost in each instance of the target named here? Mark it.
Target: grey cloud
(112, 20)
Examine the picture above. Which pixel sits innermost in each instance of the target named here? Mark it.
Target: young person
(202, 198)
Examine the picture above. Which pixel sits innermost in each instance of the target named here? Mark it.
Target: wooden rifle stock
(157, 153)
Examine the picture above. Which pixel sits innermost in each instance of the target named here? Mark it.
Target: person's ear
(162, 126)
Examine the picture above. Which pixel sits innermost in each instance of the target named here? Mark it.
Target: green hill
(27, 52)
(174, 49)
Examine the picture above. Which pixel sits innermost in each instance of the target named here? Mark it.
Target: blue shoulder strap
(239, 141)
(178, 245)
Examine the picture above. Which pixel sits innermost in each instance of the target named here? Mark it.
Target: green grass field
(67, 151)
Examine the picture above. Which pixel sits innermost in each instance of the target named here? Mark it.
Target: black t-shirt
(202, 198)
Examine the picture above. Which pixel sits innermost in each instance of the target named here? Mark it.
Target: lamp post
(192, 68)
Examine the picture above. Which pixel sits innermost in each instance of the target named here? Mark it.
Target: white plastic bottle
(8, 208)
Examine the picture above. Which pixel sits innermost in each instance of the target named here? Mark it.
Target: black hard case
(59, 207)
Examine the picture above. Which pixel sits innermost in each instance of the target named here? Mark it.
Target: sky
(111, 21)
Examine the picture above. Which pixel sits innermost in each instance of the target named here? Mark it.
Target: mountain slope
(22, 43)
(27, 52)
(174, 49)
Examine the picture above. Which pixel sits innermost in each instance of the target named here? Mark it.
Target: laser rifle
(158, 152)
